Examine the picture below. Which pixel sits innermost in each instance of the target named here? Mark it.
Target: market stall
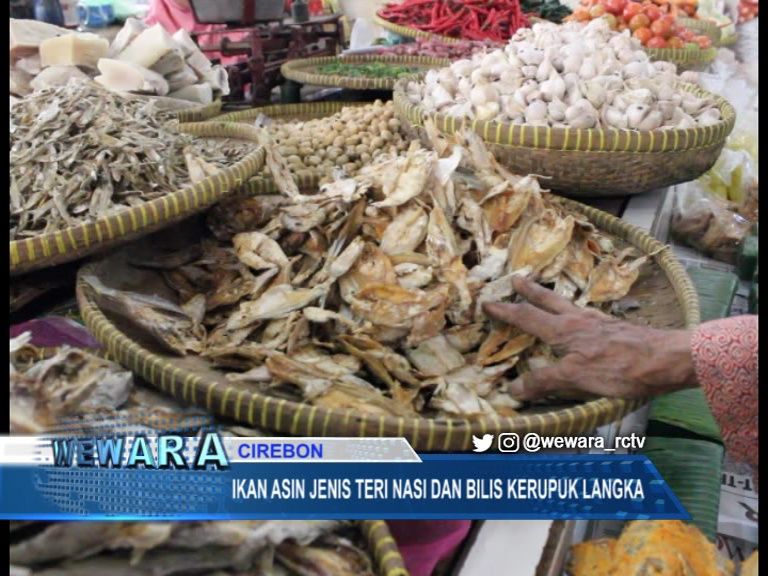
(288, 225)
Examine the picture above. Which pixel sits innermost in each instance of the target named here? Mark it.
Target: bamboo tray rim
(572, 139)
(71, 243)
(262, 184)
(288, 110)
(296, 70)
(411, 32)
(200, 113)
(218, 396)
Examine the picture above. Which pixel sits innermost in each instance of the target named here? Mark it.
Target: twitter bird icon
(482, 444)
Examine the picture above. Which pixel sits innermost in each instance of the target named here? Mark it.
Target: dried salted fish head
(478, 158)
(441, 243)
(311, 380)
(458, 399)
(411, 276)
(581, 260)
(328, 557)
(276, 302)
(406, 231)
(473, 219)
(503, 342)
(259, 251)
(492, 265)
(611, 280)
(411, 180)
(497, 291)
(242, 215)
(302, 217)
(157, 319)
(362, 399)
(481, 380)
(371, 267)
(467, 337)
(537, 242)
(435, 357)
(396, 307)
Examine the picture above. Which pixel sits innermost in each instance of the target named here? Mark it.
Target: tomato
(675, 42)
(686, 35)
(581, 14)
(643, 34)
(652, 12)
(639, 21)
(615, 7)
(657, 42)
(596, 11)
(704, 42)
(632, 9)
(661, 28)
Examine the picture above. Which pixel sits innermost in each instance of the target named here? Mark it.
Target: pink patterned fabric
(424, 543)
(725, 359)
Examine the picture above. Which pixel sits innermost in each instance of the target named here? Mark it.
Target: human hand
(598, 354)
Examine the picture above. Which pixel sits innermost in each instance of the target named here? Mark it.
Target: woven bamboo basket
(684, 58)
(412, 32)
(306, 70)
(200, 113)
(260, 185)
(709, 28)
(664, 292)
(387, 560)
(76, 242)
(591, 163)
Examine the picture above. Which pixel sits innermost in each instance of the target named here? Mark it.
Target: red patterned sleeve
(725, 359)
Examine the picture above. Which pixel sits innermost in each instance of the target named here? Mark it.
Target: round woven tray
(591, 162)
(260, 185)
(75, 242)
(200, 113)
(684, 58)
(664, 292)
(306, 70)
(411, 32)
(709, 28)
(387, 559)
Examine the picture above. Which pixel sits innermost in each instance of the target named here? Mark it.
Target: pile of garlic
(571, 75)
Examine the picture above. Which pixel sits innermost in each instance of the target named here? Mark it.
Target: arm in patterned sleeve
(725, 359)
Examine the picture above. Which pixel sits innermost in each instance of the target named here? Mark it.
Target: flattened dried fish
(377, 306)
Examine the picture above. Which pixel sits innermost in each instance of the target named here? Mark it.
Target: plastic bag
(711, 223)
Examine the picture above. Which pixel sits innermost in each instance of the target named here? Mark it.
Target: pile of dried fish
(49, 392)
(367, 295)
(267, 548)
(79, 152)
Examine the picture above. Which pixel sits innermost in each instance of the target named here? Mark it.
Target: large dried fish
(374, 302)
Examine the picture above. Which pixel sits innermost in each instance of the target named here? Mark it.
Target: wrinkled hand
(598, 354)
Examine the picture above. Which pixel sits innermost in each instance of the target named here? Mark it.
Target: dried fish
(79, 152)
(367, 295)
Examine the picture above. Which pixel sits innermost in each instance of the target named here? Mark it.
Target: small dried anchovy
(79, 152)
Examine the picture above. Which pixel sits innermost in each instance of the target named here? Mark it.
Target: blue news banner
(223, 478)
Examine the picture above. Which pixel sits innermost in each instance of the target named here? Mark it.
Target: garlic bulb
(576, 75)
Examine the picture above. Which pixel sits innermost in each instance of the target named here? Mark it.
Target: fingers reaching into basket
(596, 354)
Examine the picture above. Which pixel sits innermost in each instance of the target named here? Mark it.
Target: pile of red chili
(495, 20)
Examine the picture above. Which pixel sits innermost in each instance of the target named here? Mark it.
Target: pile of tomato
(649, 22)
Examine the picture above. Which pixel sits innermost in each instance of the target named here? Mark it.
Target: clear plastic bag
(711, 223)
